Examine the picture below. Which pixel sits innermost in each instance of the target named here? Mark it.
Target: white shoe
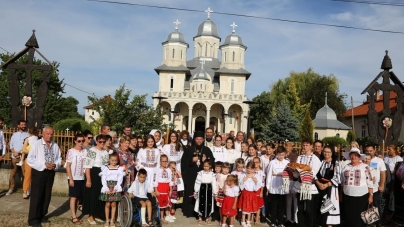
(172, 217)
(9, 192)
(19, 163)
(169, 219)
(29, 191)
(243, 224)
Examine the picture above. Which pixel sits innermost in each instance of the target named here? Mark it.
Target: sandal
(112, 224)
(149, 223)
(208, 222)
(75, 220)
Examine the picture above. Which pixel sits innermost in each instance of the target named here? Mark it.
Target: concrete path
(14, 212)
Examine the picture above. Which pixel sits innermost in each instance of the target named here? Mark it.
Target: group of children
(242, 192)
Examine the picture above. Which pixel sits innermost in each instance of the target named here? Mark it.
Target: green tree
(56, 107)
(306, 127)
(281, 126)
(351, 136)
(292, 97)
(261, 111)
(73, 124)
(335, 140)
(121, 110)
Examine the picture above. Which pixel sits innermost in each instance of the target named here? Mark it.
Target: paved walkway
(14, 212)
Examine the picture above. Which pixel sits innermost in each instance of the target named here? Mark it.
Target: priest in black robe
(191, 164)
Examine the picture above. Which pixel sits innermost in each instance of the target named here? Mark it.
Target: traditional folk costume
(205, 188)
(111, 179)
(238, 174)
(175, 194)
(140, 192)
(148, 160)
(330, 172)
(260, 175)
(128, 160)
(220, 180)
(232, 155)
(277, 193)
(220, 154)
(248, 202)
(228, 202)
(95, 159)
(173, 155)
(163, 182)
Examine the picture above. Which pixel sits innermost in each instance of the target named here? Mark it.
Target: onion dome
(175, 37)
(207, 28)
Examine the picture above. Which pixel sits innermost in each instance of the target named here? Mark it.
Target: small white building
(326, 124)
(208, 90)
(90, 112)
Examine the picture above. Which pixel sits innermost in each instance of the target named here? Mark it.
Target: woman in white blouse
(174, 150)
(96, 157)
(232, 154)
(274, 184)
(218, 151)
(357, 184)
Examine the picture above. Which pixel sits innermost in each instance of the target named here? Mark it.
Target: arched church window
(234, 54)
(315, 136)
(206, 50)
(165, 53)
(338, 135)
(171, 83)
(181, 54)
(173, 53)
(232, 86)
(225, 56)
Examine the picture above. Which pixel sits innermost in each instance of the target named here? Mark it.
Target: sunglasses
(89, 138)
(80, 141)
(101, 141)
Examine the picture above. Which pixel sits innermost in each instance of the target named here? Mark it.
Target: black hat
(199, 134)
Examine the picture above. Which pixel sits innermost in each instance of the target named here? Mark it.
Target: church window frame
(230, 116)
(315, 136)
(234, 55)
(171, 83)
(232, 86)
(225, 56)
(165, 53)
(206, 50)
(181, 54)
(173, 52)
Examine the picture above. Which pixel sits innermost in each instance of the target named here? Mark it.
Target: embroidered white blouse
(205, 178)
(148, 159)
(76, 158)
(96, 158)
(220, 154)
(220, 179)
(261, 177)
(249, 184)
(274, 181)
(112, 174)
(232, 191)
(172, 153)
(162, 176)
(356, 179)
(232, 155)
(314, 162)
(140, 190)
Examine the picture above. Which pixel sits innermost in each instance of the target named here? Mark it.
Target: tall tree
(293, 99)
(261, 111)
(306, 127)
(56, 107)
(281, 126)
(121, 110)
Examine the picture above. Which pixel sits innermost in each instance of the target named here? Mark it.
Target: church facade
(207, 90)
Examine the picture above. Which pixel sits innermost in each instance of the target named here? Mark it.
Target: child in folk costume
(111, 178)
(138, 193)
(205, 190)
(221, 181)
(260, 175)
(218, 171)
(175, 195)
(274, 184)
(229, 207)
(291, 199)
(239, 168)
(248, 202)
(173, 149)
(163, 188)
(148, 157)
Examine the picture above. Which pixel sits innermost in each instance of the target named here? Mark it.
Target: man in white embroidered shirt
(307, 209)
(376, 164)
(44, 158)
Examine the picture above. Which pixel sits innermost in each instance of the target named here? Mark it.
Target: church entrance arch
(200, 124)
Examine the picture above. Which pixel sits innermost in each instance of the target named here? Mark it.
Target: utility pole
(353, 118)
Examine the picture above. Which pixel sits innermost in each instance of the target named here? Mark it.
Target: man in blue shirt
(16, 144)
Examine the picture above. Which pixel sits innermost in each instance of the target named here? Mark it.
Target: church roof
(165, 67)
(207, 28)
(233, 39)
(327, 119)
(225, 70)
(175, 37)
(212, 63)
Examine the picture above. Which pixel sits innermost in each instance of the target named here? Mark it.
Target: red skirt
(163, 199)
(248, 202)
(227, 207)
(260, 201)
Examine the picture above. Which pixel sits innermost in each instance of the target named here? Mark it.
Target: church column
(207, 120)
(190, 120)
(172, 115)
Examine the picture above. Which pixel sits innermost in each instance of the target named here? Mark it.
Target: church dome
(207, 28)
(326, 113)
(176, 37)
(233, 39)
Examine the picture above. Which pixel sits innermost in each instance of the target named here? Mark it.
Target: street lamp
(249, 103)
(224, 122)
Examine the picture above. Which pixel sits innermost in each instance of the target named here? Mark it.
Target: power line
(5, 50)
(371, 3)
(92, 94)
(251, 16)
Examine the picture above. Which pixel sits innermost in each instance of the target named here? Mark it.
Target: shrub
(351, 136)
(335, 140)
(73, 124)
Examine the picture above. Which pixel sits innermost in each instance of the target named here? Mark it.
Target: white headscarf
(152, 132)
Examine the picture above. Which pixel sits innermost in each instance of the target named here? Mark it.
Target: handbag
(370, 215)
(327, 205)
(180, 184)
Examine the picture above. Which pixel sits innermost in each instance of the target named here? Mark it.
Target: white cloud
(345, 16)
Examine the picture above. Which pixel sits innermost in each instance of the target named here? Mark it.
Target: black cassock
(189, 170)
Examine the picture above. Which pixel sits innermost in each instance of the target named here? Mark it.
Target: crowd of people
(211, 177)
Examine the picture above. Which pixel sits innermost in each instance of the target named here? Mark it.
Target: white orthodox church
(208, 90)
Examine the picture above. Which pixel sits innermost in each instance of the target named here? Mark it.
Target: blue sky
(101, 46)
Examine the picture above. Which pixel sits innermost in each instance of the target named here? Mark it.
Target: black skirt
(205, 200)
(91, 203)
(78, 190)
